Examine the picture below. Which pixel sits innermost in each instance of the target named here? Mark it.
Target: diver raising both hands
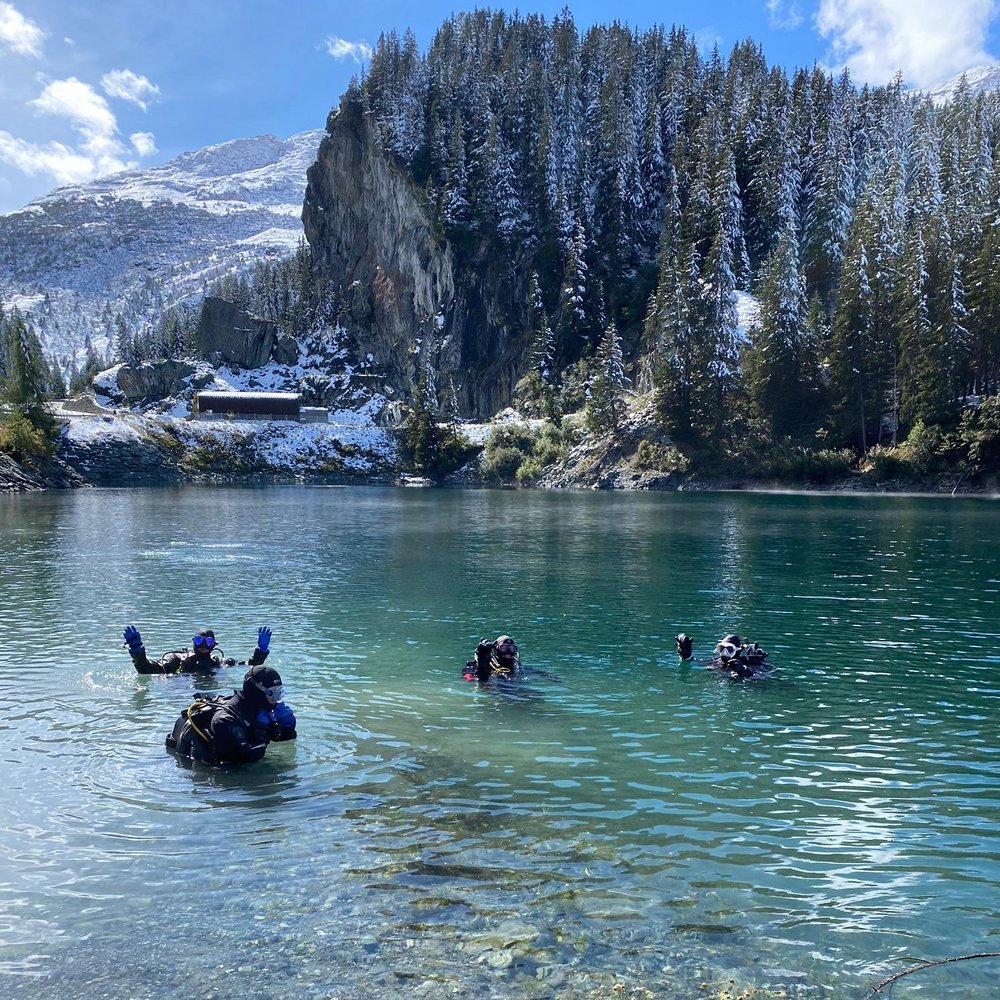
(203, 658)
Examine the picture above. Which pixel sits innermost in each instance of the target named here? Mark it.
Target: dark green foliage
(27, 427)
(517, 454)
(980, 435)
(788, 462)
(507, 448)
(22, 439)
(429, 448)
(501, 463)
(661, 457)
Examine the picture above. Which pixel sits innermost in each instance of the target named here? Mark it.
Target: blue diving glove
(263, 639)
(132, 639)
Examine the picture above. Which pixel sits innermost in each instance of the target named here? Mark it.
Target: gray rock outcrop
(153, 380)
(40, 473)
(409, 297)
(228, 334)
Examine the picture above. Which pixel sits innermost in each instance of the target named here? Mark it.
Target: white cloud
(707, 39)
(80, 103)
(783, 14)
(56, 160)
(18, 33)
(927, 40)
(339, 48)
(129, 86)
(144, 143)
(100, 151)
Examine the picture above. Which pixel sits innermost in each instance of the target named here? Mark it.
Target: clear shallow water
(635, 821)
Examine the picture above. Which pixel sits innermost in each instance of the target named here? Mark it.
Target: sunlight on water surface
(616, 817)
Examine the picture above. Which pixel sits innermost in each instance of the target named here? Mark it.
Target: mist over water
(617, 817)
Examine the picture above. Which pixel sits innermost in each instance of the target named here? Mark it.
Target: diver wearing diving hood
(237, 728)
(202, 659)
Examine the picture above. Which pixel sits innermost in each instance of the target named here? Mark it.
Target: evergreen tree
(982, 369)
(541, 379)
(606, 396)
(669, 336)
(127, 350)
(429, 449)
(864, 330)
(572, 322)
(782, 367)
(455, 209)
(57, 384)
(27, 427)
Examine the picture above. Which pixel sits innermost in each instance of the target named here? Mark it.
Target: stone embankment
(121, 461)
(40, 474)
(123, 449)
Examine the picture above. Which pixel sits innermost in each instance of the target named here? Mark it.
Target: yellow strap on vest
(191, 708)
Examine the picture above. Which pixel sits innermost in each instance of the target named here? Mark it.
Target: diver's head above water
(204, 643)
(506, 652)
(728, 646)
(264, 683)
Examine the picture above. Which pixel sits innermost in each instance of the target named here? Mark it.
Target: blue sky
(92, 86)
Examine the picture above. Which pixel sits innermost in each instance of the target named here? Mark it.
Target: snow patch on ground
(90, 430)
(353, 443)
(478, 433)
(294, 447)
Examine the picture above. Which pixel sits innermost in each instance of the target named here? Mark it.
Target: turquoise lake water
(625, 820)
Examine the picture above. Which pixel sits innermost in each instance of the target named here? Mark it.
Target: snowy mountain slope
(978, 80)
(139, 241)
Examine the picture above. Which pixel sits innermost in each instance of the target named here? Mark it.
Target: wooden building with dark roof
(247, 405)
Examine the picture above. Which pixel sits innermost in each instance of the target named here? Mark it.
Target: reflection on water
(618, 817)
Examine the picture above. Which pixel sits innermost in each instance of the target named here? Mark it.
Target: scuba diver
(236, 728)
(199, 661)
(741, 660)
(498, 658)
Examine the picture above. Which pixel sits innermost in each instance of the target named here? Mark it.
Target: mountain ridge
(134, 243)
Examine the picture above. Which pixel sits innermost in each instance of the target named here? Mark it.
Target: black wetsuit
(489, 663)
(182, 662)
(237, 731)
(749, 661)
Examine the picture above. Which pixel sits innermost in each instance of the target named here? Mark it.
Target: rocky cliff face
(228, 335)
(410, 299)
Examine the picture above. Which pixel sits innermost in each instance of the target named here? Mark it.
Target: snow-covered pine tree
(27, 425)
(781, 374)
(606, 393)
(572, 320)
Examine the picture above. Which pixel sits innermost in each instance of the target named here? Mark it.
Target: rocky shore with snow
(131, 449)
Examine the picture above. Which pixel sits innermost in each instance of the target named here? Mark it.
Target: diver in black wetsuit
(741, 660)
(199, 661)
(496, 658)
(237, 728)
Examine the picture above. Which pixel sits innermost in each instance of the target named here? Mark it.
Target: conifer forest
(646, 184)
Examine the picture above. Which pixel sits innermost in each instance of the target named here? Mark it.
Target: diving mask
(275, 693)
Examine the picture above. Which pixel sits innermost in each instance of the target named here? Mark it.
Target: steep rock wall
(408, 297)
(228, 334)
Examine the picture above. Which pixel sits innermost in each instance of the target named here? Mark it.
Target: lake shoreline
(117, 451)
(55, 474)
